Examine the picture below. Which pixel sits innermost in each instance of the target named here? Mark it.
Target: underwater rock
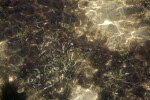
(15, 60)
(139, 91)
(106, 95)
(12, 31)
(13, 45)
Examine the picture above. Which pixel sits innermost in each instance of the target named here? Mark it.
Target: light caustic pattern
(83, 94)
(123, 23)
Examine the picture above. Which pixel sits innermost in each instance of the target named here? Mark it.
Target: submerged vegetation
(50, 49)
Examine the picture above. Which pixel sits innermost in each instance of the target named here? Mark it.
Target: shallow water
(76, 49)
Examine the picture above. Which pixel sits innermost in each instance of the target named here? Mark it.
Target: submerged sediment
(75, 49)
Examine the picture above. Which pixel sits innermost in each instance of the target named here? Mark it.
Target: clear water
(75, 49)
